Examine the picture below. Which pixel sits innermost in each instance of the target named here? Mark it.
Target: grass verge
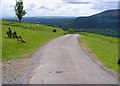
(103, 48)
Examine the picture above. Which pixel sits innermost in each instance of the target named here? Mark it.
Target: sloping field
(34, 35)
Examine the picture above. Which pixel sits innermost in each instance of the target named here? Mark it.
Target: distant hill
(105, 23)
(105, 20)
(62, 22)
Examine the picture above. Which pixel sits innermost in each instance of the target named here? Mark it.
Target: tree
(19, 11)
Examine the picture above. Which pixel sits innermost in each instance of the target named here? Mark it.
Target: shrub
(70, 31)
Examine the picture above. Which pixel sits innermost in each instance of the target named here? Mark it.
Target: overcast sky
(59, 7)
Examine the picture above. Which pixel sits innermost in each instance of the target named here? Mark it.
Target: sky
(58, 7)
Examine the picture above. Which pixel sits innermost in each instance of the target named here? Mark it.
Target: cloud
(105, 5)
(59, 7)
(11, 5)
(43, 7)
(79, 2)
(7, 8)
(109, 1)
(31, 7)
(89, 1)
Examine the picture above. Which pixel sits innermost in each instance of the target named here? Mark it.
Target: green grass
(34, 35)
(104, 48)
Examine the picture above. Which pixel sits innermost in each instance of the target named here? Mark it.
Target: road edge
(89, 53)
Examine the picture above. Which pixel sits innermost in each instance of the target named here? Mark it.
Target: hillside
(106, 19)
(104, 23)
(34, 35)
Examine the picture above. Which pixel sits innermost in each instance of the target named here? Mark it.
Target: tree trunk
(19, 22)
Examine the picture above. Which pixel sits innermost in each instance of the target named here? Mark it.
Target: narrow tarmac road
(64, 62)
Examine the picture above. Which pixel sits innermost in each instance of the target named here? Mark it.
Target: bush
(70, 31)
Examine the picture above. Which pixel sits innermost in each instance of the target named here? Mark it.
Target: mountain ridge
(105, 23)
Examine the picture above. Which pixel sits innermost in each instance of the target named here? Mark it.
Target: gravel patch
(20, 71)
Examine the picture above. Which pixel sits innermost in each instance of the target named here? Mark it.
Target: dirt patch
(19, 71)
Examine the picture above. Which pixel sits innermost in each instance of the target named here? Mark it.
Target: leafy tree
(19, 11)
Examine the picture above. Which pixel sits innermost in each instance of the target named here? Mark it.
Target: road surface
(64, 62)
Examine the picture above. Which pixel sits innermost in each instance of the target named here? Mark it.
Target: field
(35, 36)
(103, 48)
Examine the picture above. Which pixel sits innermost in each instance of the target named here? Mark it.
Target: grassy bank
(104, 48)
(34, 35)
